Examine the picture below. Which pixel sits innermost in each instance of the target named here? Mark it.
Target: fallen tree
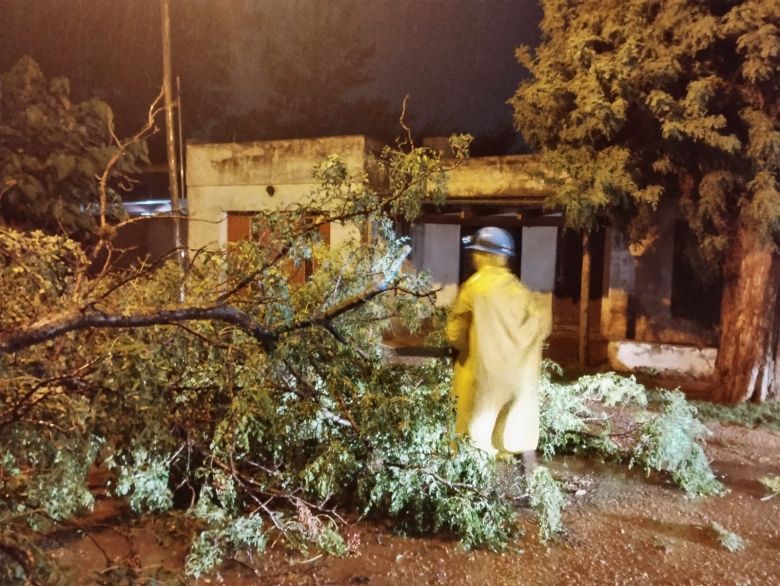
(268, 408)
(263, 407)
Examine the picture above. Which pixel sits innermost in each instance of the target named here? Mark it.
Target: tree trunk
(747, 365)
(584, 322)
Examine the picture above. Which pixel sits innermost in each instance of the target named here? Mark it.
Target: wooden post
(170, 129)
(584, 300)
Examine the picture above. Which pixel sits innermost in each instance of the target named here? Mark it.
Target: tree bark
(747, 365)
(584, 322)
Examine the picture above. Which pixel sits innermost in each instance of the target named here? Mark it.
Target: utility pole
(170, 136)
(180, 135)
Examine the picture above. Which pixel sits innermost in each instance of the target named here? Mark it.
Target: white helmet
(491, 239)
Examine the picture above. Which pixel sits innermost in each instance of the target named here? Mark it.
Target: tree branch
(75, 320)
(88, 317)
(323, 318)
(402, 119)
(106, 233)
(121, 149)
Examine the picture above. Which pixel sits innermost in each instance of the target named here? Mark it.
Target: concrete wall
(636, 310)
(537, 264)
(436, 250)
(638, 304)
(272, 162)
(662, 359)
(235, 177)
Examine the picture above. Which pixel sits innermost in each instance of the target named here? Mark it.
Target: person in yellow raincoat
(497, 325)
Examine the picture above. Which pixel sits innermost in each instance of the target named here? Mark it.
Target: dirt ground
(622, 528)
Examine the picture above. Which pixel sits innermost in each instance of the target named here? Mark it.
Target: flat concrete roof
(511, 177)
(272, 162)
(496, 179)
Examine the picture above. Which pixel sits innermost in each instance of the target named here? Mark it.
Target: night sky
(255, 69)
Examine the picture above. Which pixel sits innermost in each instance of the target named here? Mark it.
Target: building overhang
(501, 180)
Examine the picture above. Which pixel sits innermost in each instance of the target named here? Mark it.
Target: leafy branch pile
(262, 405)
(266, 443)
(728, 539)
(607, 415)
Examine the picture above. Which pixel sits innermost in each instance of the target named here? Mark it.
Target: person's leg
(529, 463)
(517, 430)
(480, 430)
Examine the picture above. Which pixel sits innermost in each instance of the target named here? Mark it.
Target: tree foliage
(607, 414)
(51, 151)
(638, 101)
(261, 442)
(264, 407)
(633, 101)
(266, 403)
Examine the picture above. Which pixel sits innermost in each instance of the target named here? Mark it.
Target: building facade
(644, 311)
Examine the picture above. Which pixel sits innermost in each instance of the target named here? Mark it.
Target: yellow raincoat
(498, 326)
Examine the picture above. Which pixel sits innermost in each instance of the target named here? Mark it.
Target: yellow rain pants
(498, 326)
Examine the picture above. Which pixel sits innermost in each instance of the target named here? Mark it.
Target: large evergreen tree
(632, 101)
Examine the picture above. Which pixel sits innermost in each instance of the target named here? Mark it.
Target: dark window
(695, 296)
(568, 265)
